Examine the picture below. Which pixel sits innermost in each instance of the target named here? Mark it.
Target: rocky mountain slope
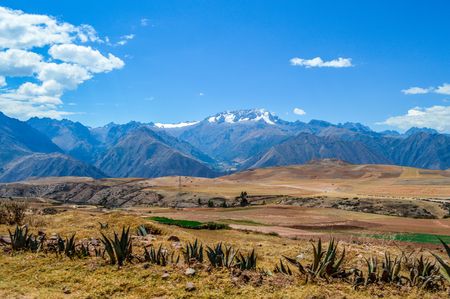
(221, 143)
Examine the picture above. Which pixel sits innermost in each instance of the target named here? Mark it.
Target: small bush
(12, 212)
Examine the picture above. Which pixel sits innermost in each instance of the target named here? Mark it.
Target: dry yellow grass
(27, 275)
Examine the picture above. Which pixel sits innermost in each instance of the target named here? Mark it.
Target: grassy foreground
(39, 275)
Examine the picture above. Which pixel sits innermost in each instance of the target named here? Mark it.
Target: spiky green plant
(282, 268)
(70, 247)
(372, 270)
(445, 268)
(424, 274)
(142, 231)
(248, 261)
(21, 240)
(158, 257)
(120, 248)
(193, 252)
(326, 264)
(390, 269)
(219, 257)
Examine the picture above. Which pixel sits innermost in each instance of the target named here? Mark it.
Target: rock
(189, 272)
(173, 239)
(66, 290)
(190, 287)
(5, 240)
(165, 275)
(176, 245)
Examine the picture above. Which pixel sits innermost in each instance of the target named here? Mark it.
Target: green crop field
(413, 237)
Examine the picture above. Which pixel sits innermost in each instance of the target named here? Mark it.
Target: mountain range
(219, 144)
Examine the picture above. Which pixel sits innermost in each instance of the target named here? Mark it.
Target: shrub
(243, 199)
(12, 212)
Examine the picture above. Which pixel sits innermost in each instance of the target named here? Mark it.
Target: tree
(210, 204)
(244, 200)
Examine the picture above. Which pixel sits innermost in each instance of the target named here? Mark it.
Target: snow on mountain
(177, 125)
(243, 116)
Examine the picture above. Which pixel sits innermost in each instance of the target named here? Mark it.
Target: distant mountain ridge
(221, 143)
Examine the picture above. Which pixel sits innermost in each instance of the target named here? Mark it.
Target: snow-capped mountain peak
(244, 116)
(177, 125)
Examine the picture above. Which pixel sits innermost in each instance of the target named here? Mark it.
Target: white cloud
(124, 39)
(299, 111)
(45, 77)
(201, 94)
(144, 22)
(20, 30)
(435, 117)
(416, 90)
(443, 89)
(87, 57)
(318, 62)
(18, 63)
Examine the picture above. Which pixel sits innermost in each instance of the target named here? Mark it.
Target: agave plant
(142, 231)
(21, 240)
(424, 274)
(445, 270)
(282, 268)
(158, 257)
(193, 252)
(390, 272)
(247, 262)
(325, 263)
(219, 257)
(372, 270)
(120, 248)
(69, 247)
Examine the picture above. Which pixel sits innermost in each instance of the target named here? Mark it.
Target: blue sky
(185, 60)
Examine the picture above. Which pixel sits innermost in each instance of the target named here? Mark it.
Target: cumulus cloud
(443, 89)
(25, 31)
(318, 62)
(435, 117)
(87, 57)
(299, 111)
(45, 77)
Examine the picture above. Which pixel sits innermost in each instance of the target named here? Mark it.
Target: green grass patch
(412, 237)
(189, 223)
